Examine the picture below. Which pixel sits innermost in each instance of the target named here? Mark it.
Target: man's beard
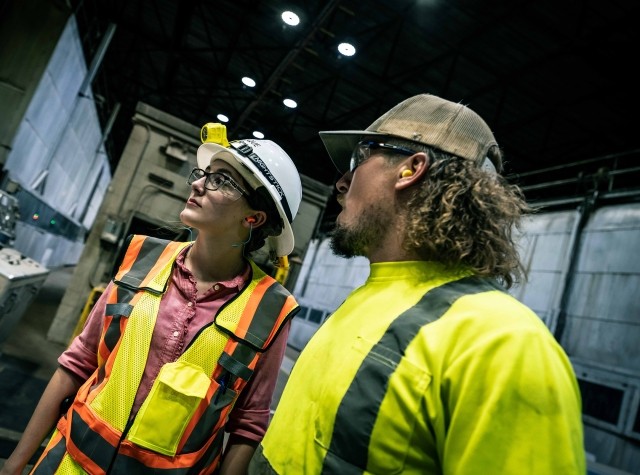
(362, 237)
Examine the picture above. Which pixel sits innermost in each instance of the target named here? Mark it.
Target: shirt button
(190, 304)
(216, 287)
(176, 333)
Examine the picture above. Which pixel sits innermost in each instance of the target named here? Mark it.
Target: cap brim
(340, 145)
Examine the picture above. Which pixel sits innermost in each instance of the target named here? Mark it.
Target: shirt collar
(235, 282)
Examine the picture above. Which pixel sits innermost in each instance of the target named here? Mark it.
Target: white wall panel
(47, 114)
(60, 134)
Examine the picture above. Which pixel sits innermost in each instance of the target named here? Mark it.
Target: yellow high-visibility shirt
(394, 384)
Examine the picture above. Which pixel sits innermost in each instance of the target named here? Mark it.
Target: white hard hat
(263, 163)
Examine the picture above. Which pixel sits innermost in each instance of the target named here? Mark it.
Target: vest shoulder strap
(145, 257)
(264, 307)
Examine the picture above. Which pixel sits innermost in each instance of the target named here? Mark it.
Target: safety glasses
(363, 151)
(218, 181)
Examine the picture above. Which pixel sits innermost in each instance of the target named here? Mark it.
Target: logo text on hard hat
(246, 149)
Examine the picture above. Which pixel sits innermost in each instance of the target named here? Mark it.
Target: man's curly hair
(460, 214)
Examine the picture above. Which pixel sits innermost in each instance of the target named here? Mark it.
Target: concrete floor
(28, 351)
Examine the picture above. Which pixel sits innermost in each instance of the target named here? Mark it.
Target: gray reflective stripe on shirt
(351, 437)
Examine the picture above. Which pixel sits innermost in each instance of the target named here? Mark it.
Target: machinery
(20, 277)
(9, 214)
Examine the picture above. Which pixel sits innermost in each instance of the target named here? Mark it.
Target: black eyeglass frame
(366, 146)
(198, 173)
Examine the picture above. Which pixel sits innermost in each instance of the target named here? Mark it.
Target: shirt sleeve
(250, 416)
(506, 392)
(81, 357)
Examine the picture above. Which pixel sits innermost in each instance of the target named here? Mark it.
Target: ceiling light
(222, 118)
(290, 103)
(247, 81)
(290, 18)
(346, 49)
(258, 135)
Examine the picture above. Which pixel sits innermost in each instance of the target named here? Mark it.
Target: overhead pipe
(105, 134)
(97, 59)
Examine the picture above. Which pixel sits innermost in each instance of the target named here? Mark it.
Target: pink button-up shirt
(181, 315)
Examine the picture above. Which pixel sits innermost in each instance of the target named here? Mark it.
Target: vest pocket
(163, 417)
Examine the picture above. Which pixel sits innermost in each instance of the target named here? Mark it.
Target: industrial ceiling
(555, 79)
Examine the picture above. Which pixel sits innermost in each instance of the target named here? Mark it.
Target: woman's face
(217, 212)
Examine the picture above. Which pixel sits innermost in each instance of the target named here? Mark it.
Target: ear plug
(406, 173)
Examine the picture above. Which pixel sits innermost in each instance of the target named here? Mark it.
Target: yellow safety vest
(178, 426)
